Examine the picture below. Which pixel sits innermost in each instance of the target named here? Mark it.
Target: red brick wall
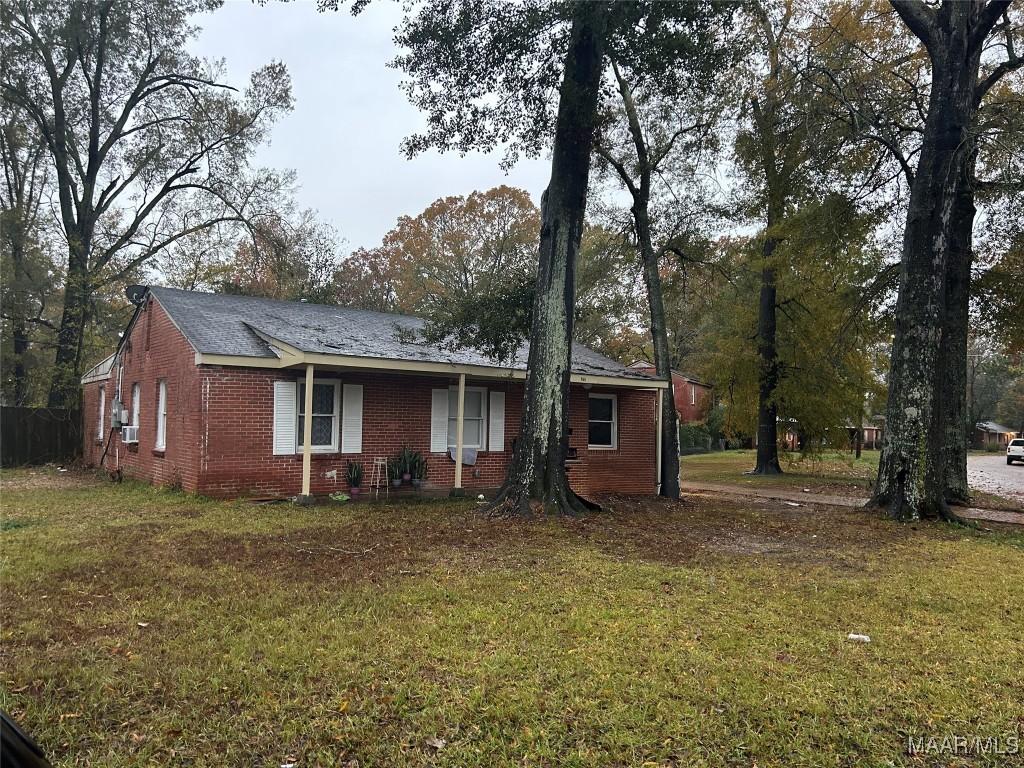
(681, 387)
(169, 357)
(237, 457)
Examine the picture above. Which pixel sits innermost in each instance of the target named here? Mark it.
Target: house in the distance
(693, 397)
(214, 391)
(990, 434)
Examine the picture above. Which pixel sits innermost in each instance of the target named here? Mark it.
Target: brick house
(989, 434)
(693, 397)
(216, 388)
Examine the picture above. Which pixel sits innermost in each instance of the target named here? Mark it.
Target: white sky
(349, 117)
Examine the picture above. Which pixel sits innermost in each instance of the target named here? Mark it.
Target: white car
(1015, 451)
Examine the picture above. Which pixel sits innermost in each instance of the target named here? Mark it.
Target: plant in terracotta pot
(395, 471)
(405, 462)
(418, 468)
(354, 473)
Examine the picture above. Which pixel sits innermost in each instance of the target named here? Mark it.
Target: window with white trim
(693, 394)
(101, 413)
(326, 402)
(474, 418)
(602, 422)
(135, 404)
(161, 415)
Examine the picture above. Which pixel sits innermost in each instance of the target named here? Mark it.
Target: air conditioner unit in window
(129, 434)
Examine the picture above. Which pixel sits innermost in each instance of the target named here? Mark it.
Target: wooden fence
(39, 435)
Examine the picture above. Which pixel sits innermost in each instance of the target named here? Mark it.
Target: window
(101, 413)
(473, 417)
(602, 426)
(693, 395)
(161, 415)
(324, 437)
(135, 405)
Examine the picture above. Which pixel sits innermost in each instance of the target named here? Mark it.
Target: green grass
(833, 471)
(697, 634)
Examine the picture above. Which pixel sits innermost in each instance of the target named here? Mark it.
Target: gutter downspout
(458, 430)
(658, 445)
(307, 432)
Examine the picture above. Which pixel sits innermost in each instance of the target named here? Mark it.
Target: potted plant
(405, 462)
(395, 471)
(355, 478)
(418, 467)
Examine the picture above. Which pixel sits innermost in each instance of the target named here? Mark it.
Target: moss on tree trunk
(537, 476)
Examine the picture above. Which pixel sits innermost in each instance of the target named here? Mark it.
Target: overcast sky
(349, 118)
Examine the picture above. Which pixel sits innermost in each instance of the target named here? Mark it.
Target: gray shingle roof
(991, 426)
(225, 325)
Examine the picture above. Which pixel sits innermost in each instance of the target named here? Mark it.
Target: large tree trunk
(946, 464)
(19, 337)
(537, 471)
(669, 469)
(900, 484)
(65, 387)
(768, 373)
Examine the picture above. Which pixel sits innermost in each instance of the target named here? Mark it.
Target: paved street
(991, 473)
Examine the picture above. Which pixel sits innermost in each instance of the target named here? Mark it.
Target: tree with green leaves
(826, 341)
(26, 283)
(885, 94)
(792, 157)
(932, 310)
(146, 145)
(484, 73)
(654, 136)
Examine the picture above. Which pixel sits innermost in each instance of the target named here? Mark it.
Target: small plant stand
(379, 477)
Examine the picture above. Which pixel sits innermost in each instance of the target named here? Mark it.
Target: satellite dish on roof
(136, 293)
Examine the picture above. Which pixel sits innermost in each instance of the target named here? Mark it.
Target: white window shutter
(285, 418)
(438, 420)
(352, 418)
(496, 425)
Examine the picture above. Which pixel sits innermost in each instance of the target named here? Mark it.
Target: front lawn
(147, 627)
(835, 472)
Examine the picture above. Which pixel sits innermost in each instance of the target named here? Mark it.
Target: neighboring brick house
(215, 388)
(989, 434)
(693, 397)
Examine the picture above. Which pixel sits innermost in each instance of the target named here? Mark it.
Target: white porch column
(307, 430)
(458, 430)
(657, 444)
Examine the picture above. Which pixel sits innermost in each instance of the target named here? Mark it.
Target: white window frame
(693, 394)
(615, 421)
(335, 417)
(453, 415)
(161, 415)
(102, 414)
(136, 397)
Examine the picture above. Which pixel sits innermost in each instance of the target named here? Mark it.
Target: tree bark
(768, 373)
(950, 36)
(537, 474)
(946, 462)
(66, 387)
(669, 469)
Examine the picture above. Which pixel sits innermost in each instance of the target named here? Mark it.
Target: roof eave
(291, 357)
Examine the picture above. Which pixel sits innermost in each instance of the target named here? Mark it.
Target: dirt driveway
(991, 473)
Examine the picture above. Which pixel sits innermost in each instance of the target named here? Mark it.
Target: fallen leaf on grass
(435, 742)
(143, 624)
